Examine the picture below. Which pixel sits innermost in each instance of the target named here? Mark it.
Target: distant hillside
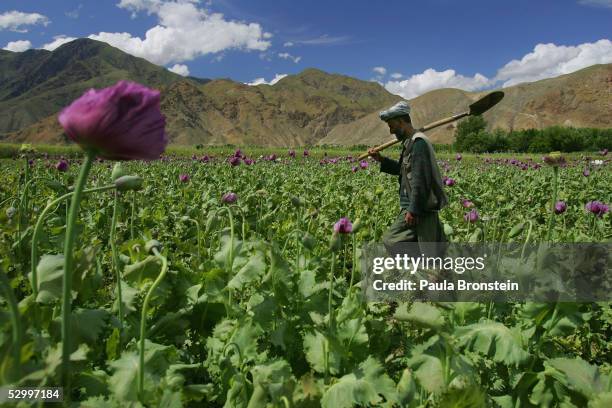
(298, 110)
(579, 99)
(36, 84)
(312, 107)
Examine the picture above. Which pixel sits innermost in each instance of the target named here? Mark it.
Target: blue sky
(410, 47)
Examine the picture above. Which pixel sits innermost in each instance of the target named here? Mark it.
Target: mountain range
(312, 107)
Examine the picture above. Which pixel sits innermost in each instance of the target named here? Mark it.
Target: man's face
(395, 128)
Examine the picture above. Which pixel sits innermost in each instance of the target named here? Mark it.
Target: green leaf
(308, 285)
(124, 381)
(363, 387)
(85, 327)
(128, 299)
(422, 314)
(577, 375)
(93, 383)
(238, 393)
(50, 273)
(254, 269)
(468, 397)
(601, 401)
(315, 345)
(406, 387)
(275, 377)
(493, 340)
(428, 371)
(138, 273)
(568, 317)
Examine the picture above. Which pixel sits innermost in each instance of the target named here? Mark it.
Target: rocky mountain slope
(312, 107)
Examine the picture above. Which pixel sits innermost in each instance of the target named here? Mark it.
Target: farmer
(421, 191)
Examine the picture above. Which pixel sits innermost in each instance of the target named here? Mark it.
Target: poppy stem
(143, 319)
(9, 295)
(354, 262)
(551, 219)
(132, 215)
(115, 262)
(71, 233)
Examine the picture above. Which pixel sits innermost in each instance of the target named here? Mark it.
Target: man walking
(421, 190)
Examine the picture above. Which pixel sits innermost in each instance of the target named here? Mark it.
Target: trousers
(428, 232)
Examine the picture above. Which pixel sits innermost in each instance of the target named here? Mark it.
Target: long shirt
(413, 197)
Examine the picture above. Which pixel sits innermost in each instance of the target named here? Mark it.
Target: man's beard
(400, 135)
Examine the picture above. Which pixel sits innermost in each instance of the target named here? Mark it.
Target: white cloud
(74, 13)
(380, 70)
(597, 3)
(288, 44)
(321, 40)
(180, 69)
(550, 60)
(184, 32)
(431, 79)
(286, 55)
(262, 81)
(546, 61)
(396, 75)
(58, 41)
(18, 46)
(15, 20)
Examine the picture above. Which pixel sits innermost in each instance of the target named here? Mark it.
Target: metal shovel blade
(486, 102)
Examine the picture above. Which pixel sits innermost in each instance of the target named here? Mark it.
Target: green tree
(466, 130)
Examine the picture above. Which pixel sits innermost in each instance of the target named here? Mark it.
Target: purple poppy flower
(238, 153)
(229, 198)
(343, 226)
(62, 165)
(458, 157)
(204, 159)
(586, 172)
(30, 162)
(449, 182)
(184, 178)
(292, 153)
(333, 161)
(248, 161)
(354, 169)
(560, 207)
(306, 153)
(604, 152)
(471, 216)
(466, 203)
(363, 164)
(121, 122)
(234, 161)
(272, 157)
(597, 207)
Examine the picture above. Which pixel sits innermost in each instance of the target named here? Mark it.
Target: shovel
(477, 108)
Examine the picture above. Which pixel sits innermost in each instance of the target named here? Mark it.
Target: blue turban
(399, 109)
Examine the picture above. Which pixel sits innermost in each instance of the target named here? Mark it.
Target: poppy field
(133, 277)
(227, 279)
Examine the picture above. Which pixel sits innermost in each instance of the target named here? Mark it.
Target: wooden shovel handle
(423, 129)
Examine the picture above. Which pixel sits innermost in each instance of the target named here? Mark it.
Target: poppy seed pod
(126, 183)
(357, 225)
(153, 244)
(334, 243)
(118, 171)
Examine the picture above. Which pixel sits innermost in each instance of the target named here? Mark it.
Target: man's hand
(410, 219)
(375, 155)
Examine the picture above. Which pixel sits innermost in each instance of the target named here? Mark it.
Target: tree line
(471, 136)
